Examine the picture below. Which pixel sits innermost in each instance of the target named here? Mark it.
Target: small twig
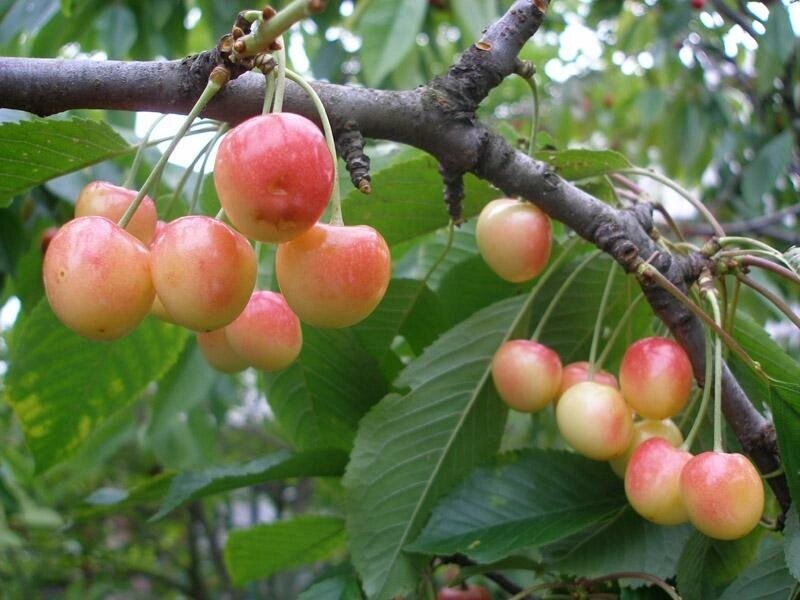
(772, 297)
(763, 263)
(196, 511)
(501, 580)
(732, 15)
(350, 145)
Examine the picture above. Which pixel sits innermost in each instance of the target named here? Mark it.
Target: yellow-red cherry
(527, 374)
(652, 481)
(642, 431)
(218, 353)
(274, 176)
(105, 199)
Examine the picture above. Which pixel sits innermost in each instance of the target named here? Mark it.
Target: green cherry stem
(776, 300)
(531, 81)
(336, 200)
(188, 172)
(701, 412)
(266, 32)
(198, 186)
(734, 303)
(711, 295)
(598, 325)
(137, 160)
(216, 81)
(220, 214)
(561, 291)
(701, 208)
(443, 254)
(269, 91)
(280, 84)
(623, 321)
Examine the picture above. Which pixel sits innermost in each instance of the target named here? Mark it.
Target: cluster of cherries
(274, 176)
(721, 494)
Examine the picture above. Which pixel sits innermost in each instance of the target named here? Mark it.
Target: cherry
(723, 494)
(332, 275)
(579, 371)
(158, 310)
(472, 592)
(274, 176)
(97, 278)
(111, 201)
(656, 377)
(267, 334)
(203, 272)
(218, 353)
(47, 237)
(594, 419)
(527, 374)
(514, 239)
(652, 481)
(642, 431)
(698, 4)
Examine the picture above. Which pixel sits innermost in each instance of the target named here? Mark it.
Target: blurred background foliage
(707, 92)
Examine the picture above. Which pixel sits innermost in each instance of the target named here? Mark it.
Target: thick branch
(438, 118)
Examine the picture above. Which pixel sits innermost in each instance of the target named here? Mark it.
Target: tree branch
(438, 118)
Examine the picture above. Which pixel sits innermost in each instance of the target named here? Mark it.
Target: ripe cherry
(97, 278)
(594, 419)
(698, 4)
(514, 238)
(723, 494)
(579, 371)
(643, 431)
(652, 481)
(527, 374)
(332, 275)
(158, 310)
(656, 377)
(111, 201)
(274, 176)
(203, 272)
(218, 353)
(267, 334)
(471, 592)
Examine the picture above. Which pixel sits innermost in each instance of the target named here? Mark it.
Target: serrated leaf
(760, 174)
(521, 500)
(35, 150)
(319, 399)
(767, 579)
(191, 485)
(407, 201)
(627, 543)
(582, 164)
(62, 386)
(388, 30)
(411, 449)
(260, 551)
(774, 47)
(791, 541)
(707, 565)
(338, 587)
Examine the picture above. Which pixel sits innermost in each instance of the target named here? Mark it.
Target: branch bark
(438, 118)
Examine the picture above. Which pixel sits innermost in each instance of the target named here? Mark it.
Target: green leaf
(116, 28)
(583, 164)
(474, 16)
(62, 386)
(281, 465)
(407, 202)
(521, 500)
(708, 565)
(791, 541)
(760, 175)
(767, 579)
(319, 400)
(116, 500)
(33, 151)
(26, 16)
(411, 449)
(388, 30)
(339, 587)
(627, 543)
(255, 553)
(774, 47)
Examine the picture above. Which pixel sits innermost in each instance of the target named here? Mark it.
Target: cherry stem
(531, 81)
(772, 297)
(336, 200)
(561, 291)
(756, 261)
(137, 160)
(710, 292)
(188, 171)
(269, 91)
(261, 38)
(701, 412)
(220, 215)
(598, 325)
(443, 254)
(734, 303)
(623, 321)
(699, 206)
(216, 81)
(198, 186)
(649, 272)
(280, 83)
